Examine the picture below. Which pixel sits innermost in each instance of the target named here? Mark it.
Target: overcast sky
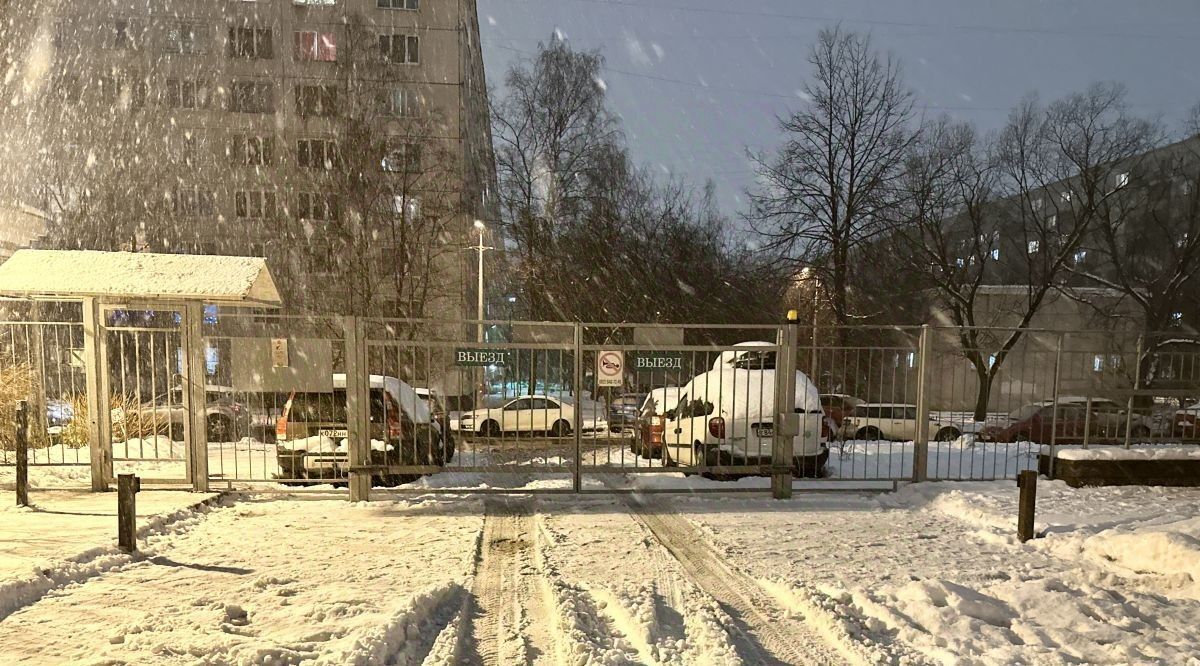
(696, 82)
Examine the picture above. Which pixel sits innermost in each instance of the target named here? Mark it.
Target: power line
(881, 22)
(794, 97)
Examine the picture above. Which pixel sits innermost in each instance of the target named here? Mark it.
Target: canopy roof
(114, 276)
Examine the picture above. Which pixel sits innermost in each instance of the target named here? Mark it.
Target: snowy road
(930, 575)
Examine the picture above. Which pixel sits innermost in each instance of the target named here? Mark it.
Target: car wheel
(869, 433)
(220, 428)
(561, 429)
(489, 429)
(948, 434)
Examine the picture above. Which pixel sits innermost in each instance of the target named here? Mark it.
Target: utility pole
(481, 248)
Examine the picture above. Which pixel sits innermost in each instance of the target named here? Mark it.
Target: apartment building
(347, 141)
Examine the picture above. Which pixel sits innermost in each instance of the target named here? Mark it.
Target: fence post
(358, 408)
(1137, 380)
(786, 420)
(1054, 410)
(195, 396)
(1027, 483)
(22, 442)
(95, 367)
(128, 486)
(577, 426)
(920, 470)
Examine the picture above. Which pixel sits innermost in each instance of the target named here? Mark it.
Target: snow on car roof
(404, 394)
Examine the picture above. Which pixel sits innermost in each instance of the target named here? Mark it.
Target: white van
(726, 416)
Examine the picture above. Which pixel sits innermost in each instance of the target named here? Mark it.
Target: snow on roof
(61, 274)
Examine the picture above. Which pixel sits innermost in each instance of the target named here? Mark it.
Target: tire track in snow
(506, 612)
(763, 632)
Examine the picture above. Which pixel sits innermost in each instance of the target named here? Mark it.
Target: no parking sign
(610, 368)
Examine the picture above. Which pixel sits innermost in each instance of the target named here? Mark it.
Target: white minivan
(725, 417)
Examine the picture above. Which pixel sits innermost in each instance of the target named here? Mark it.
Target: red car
(1036, 421)
(836, 407)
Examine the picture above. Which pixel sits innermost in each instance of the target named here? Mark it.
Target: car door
(515, 415)
(540, 417)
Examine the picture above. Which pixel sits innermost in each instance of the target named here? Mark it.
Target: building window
(186, 94)
(316, 100)
(251, 97)
(1182, 241)
(1122, 179)
(184, 149)
(405, 158)
(1098, 363)
(402, 102)
(1052, 222)
(318, 46)
(1066, 196)
(1034, 246)
(398, 4)
(124, 35)
(250, 43)
(252, 150)
(1176, 318)
(960, 262)
(316, 206)
(186, 38)
(316, 153)
(193, 201)
(254, 204)
(407, 206)
(123, 92)
(995, 254)
(400, 48)
(1080, 256)
(1038, 203)
(311, 3)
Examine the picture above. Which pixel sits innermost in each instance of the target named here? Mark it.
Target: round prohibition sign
(610, 364)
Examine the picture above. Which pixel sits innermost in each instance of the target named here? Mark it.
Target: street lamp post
(481, 248)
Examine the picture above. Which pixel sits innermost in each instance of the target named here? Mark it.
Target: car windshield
(1025, 412)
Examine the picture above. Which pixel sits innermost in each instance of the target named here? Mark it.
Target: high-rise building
(347, 141)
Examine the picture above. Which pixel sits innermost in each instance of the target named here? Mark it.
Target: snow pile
(1162, 558)
(399, 639)
(1132, 453)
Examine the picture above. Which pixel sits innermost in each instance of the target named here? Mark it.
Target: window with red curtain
(318, 46)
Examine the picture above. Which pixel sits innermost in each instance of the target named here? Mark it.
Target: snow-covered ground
(930, 574)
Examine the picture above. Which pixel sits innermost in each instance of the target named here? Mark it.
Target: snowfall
(931, 573)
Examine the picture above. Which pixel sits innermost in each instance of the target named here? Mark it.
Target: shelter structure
(109, 281)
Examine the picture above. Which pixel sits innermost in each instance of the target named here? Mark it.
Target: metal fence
(423, 406)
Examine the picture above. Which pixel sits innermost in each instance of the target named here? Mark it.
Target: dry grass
(16, 384)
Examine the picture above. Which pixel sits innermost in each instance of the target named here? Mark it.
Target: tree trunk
(983, 396)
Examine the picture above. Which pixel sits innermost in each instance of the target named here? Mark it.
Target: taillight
(716, 427)
(281, 427)
(394, 429)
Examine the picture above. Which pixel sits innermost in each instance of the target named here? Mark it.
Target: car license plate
(333, 433)
(765, 431)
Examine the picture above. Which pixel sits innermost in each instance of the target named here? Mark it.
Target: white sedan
(527, 414)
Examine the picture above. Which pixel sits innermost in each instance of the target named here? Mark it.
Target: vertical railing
(577, 413)
(786, 420)
(920, 469)
(358, 409)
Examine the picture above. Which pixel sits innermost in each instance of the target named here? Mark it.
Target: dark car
(312, 432)
(625, 411)
(441, 418)
(1036, 422)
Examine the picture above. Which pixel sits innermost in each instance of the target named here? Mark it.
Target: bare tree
(551, 129)
(1016, 212)
(390, 186)
(822, 195)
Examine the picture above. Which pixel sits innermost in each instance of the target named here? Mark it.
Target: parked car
(528, 415)
(1185, 422)
(312, 432)
(726, 416)
(1036, 421)
(441, 419)
(653, 419)
(837, 406)
(625, 411)
(226, 417)
(893, 421)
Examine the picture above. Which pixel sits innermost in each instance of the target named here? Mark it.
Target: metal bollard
(1027, 482)
(22, 442)
(128, 486)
